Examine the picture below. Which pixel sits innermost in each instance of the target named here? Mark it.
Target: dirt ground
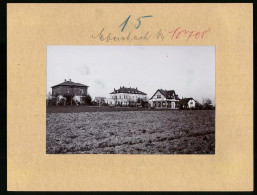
(69, 109)
(131, 132)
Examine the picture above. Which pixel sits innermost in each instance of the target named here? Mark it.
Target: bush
(93, 103)
(88, 100)
(62, 102)
(105, 104)
(68, 99)
(52, 102)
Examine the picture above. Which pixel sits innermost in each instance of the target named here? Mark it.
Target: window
(68, 91)
(80, 92)
(159, 96)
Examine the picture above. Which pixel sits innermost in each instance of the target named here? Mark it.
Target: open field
(69, 109)
(131, 132)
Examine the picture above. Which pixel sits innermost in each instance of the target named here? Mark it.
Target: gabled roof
(168, 94)
(184, 101)
(71, 84)
(127, 90)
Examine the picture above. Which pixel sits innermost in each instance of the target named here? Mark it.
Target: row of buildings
(126, 96)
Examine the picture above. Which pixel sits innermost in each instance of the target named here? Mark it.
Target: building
(69, 88)
(185, 103)
(126, 96)
(166, 99)
(100, 100)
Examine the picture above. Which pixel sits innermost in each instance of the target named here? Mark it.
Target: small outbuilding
(186, 103)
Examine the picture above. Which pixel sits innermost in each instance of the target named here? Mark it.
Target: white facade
(191, 103)
(160, 101)
(110, 101)
(125, 98)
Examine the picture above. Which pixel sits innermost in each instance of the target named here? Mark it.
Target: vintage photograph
(130, 100)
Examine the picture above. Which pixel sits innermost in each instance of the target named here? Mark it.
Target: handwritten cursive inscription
(127, 37)
(134, 35)
(188, 34)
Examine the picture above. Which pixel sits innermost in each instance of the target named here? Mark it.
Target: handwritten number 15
(123, 24)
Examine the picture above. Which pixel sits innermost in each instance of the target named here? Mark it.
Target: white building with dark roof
(187, 103)
(166, 99)
(125, 96)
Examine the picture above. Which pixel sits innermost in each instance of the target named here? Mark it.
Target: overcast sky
(189, 70)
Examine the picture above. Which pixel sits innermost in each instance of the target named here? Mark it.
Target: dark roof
(184, 101)
(70, 83)
(127, 90)
(168, 94)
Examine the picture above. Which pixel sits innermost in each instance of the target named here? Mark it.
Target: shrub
(87, 99)
(52, 101)
(93, 103)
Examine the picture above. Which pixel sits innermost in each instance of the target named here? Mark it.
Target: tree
(207, 104)
(69, 100)
(88, 99)
(48, 98)
(49, 95)
(144, 104)
(198, 106)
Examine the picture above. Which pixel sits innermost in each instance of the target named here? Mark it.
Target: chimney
(64, 79)
(70, 80)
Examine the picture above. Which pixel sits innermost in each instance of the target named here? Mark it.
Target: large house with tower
(165, 99)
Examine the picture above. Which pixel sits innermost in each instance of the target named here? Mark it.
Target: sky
(189, 70)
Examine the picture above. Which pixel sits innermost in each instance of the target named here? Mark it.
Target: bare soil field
(69, 109)
(131, 132)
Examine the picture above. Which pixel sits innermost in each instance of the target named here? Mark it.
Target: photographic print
(130, 100)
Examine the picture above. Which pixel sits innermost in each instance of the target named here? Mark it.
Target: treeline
(205, 105)
(138, 103)
(52, 101)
